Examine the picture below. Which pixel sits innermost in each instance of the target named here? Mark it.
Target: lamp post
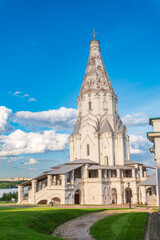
(129, 194)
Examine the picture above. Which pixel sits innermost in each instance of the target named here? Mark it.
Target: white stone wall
(106, 145)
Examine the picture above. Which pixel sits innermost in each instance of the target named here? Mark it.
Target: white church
(100, 170)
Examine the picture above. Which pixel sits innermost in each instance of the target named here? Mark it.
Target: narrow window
(104, 105)
(87, 149)
(90, 105)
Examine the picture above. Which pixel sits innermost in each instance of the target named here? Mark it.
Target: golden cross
(94, 33)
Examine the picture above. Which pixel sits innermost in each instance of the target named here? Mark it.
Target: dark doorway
(77, 197)
(114, 196)
(128, 193)
(42, 202)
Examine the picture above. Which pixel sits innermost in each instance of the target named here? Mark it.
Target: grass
(35, 223)
(120, 227)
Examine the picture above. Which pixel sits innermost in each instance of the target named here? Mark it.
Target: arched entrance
(114, 196)
(128, 194)
(44, 201)
(56, 200)
(77, 196)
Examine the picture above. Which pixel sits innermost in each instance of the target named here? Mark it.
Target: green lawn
(35, 223)
(127, 226)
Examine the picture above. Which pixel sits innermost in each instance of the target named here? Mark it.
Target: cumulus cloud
(63, 118)
(139, 144)
(31, 161)
(32, 99)
(135, 119)
(20, 142)
(5, 116)
(60, 119)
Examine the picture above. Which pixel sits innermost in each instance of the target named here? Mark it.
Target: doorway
(77, 197)
(128, 193)
(114, 196)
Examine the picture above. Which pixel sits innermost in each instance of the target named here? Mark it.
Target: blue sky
(44, 48)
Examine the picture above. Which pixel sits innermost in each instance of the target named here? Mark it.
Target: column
(72, 177)
(145, 172)
(141, 172)
(99, 173)
(133, 173)
(143, 193)
(105, 174)
(32, 198)
(20, 194)
(122, 173)
(85, 171)
(43, 184)
(63, 177)
(49, 178)
(54, 180)
(118, 173)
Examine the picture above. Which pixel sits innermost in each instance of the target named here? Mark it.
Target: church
(100, 170)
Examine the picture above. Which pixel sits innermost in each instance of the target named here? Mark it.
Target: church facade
(100, 170)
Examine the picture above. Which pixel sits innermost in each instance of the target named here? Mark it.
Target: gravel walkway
(79, 228)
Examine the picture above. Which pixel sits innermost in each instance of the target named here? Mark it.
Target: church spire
(96, 78)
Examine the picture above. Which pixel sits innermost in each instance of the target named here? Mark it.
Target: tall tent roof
(96, 78)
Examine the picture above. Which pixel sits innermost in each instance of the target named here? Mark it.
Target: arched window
(88, 152)
(90, 105)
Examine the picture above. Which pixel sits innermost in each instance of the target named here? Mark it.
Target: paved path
(153, 227)
(79, 228)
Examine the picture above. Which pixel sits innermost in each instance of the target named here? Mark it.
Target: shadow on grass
(35, 223)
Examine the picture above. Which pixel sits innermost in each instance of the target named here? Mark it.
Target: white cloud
(14, 159)
(20, 142)
(135, 119)
(139, 144)
(60, 119)
(32, 99)
(5, 116)
(31, 161)
(136, 151)
(23, 95)
(17, 93)
(63, 118)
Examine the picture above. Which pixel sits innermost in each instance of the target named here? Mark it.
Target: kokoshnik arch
(100, 167)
